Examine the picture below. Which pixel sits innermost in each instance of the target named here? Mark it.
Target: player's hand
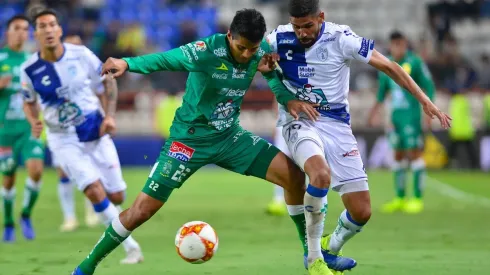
(5, 81)
(432, 111)
(268, 63)
(108, 126)
(428, 123)
(295, 107)
(114, 67)
(36, 128)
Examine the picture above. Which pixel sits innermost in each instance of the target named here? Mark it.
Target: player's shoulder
(333, 28)
(288, 28)
(76, 50)
(31, 60)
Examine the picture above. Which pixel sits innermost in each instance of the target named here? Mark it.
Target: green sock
(300, 222)
(8, 206)
(418, 167)
(400, 182)
(31, 193)
(106, 244)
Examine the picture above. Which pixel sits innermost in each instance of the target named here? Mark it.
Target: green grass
(450, 237)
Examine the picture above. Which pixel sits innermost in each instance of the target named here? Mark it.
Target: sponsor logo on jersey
(186, 53)
(310, 94)
(239, 73)
(322, 54)
(220, 52)
(367, 45)
(330, 39)
(219, 76)
(352, 153)
(222, 67)
(40, 70)
(286, 41)
(306, 72)
(180, 151)
(232, 92)
(200, 46)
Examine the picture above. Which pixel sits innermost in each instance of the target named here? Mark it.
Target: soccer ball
(196, 242)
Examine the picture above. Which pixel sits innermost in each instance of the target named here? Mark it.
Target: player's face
(18, 32)
(242, 49)
(307, 28)
(48, 31)
(398, 48)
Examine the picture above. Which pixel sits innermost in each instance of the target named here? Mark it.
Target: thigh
(31, 148)
(8, 159)
(279, 141)
(178, 160)
(76, 163)
(342, 154)
(104, 155)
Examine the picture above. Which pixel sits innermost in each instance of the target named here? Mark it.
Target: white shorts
(336, 141)
(280, 143)
(54, 160)
(86, 162)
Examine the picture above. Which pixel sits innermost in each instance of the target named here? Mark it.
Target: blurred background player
(16, 140)
(64, 77)
(277, 207)
(406, 137)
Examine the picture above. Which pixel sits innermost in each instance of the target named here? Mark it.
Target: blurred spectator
(484, 72)
(132, 39)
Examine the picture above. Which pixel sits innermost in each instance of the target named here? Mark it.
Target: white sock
(278, 194)
(130, 243)
(315, 211)
(106, 211)
(7, 194)
(30, 185)
(345, 230)
(67, 201)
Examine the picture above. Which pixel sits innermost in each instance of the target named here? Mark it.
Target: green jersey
(215, 86)
(402, 102)
(12, 117)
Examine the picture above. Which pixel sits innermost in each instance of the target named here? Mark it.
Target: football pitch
(450, 237)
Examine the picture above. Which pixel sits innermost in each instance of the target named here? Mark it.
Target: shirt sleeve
(383, 87)
(27, 90)
(192, 57)
(355, 47)
(94, 69)
(271, 40)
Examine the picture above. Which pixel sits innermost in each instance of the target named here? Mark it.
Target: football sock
(278, 194)
(400, 172)
(8, 206)
(31, 193)
(345, 230)
(129, 243)
(65, 195)
(297, 214)
(113, 236)
(315, 201)
(418, 169)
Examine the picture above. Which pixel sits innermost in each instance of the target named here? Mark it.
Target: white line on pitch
(457, 194)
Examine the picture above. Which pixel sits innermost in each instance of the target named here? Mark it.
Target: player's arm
(31, 106)
(380, 97)
(189, 57)
(423, 78)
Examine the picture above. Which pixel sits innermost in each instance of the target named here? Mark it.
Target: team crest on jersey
(200, 46)
(72, 70)
(310, 94)
(70, 114)
(222, 116)
(180, 151)
(322, 54)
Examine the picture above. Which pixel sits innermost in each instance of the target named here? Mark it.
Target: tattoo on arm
(110, 104)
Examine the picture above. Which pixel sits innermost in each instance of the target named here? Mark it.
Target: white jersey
(66, 88)
(319, 74)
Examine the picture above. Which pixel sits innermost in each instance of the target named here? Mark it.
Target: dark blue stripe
(45, 82)
(89, 129)
(352, 220)
(292, 58)
(337, 114)
(64, 180)
(316, 192)
(101, 206)
(353, 179)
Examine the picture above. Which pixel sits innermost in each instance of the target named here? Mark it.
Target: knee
(361, 216)
(95, 192)
(321, 178)
(117, 198)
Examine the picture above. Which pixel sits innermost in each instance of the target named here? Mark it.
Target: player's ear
(321, 17)
(228, 34)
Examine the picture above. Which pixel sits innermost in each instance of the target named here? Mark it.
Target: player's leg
(105, 157)
(169, 172)
(417, 164)
(33, 154)
(67, 199)
(277, 206)
(8, 166)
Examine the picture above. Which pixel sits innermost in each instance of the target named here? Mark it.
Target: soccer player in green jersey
(206, 130)
(16, 140)
(406, 137)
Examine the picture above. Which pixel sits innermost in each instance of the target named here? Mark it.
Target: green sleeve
(383, 87)
(283, 95)
(423, 78)
(192, 57)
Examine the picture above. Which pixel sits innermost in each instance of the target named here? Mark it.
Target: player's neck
(15, 48)
(53, 55)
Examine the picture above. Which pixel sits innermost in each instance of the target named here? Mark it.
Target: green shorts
(14, 148)
(236, 150)
(407, 134)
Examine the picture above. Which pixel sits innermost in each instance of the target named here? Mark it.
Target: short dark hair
(302, 8)
(250, 24)
(17, 17)
(44, 12)
(395, 35)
